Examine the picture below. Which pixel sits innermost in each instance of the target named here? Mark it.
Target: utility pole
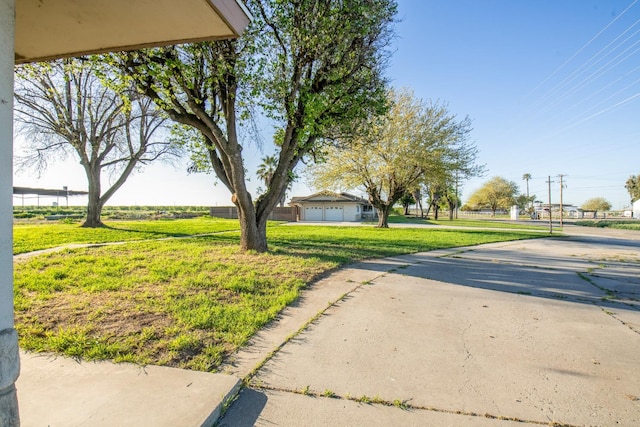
(550, 222)
(561, 206)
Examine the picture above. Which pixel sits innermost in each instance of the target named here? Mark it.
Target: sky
(552, 88)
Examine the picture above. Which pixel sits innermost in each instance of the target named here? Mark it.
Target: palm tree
(267, 168)
(526, 177)
(265, 172)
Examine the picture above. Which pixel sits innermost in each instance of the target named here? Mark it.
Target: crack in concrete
(405, 405)
(613, 315)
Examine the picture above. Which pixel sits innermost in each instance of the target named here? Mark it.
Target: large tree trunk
(94, 205)
(417, 196)
(383, 215)
(253, 229)
(253, 235)
(94, 212)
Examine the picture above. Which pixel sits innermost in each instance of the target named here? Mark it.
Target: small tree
(63, 107)
(407, 200)
(435, 193)
(497, 193)
(265, 172)
(416, 193)
(394, 153)
(267, 168)
(596, 204)
(525, 202)
(633, 187)
(452, 201)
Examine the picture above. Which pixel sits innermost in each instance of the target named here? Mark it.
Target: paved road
(540, 331)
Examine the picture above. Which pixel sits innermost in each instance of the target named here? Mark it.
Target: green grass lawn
(462, 222)
(490, 223)
(191, 302)
(619, 224)
(29, 237)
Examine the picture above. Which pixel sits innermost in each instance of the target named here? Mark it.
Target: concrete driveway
(540, 331)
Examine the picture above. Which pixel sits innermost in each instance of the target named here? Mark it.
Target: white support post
(9, 359)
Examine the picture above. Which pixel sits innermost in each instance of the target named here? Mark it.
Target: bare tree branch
(64, 105)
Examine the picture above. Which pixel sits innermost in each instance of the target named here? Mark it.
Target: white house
(635, 207)
(329, 206)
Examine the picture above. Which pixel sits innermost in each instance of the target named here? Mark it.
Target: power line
(582, 48)
(599, 113)
(573, 85)
(586, 65)
(593, 76)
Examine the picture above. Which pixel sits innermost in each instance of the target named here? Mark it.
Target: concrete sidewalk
(60, 392)
(537, 332)
(497, 334)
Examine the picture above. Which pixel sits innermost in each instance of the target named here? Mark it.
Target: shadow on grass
(342, 249)
(161, 234)
(151, 232)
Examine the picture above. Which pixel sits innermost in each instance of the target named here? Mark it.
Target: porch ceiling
(47, 29)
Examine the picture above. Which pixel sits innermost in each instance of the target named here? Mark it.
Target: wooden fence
(284, 213)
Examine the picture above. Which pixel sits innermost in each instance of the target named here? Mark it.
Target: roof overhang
(48, 192)
(48, 29)
(329, 197)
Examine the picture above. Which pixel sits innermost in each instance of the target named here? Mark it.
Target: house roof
(51, 29)
(329, 196)
(48, 192)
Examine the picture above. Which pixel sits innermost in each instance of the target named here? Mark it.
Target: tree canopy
(315, 67)
(63, 107)
(393, 153)
(633, 187)
(596, 204)
(497, 193)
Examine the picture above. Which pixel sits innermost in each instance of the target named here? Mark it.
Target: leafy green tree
(525, 202)
(441, 192)
(416, 193)
(633, 187)
(452, 201)
(435, 192)
(64, 108)
(497, 193)
(596, 204)
(315, 67)
(407, 200)
(394, 152)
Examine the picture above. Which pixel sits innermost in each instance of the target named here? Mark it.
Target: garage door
(313, 213)
(333, 213)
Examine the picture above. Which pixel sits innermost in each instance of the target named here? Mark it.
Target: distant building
(329, 206)
(541, 210)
